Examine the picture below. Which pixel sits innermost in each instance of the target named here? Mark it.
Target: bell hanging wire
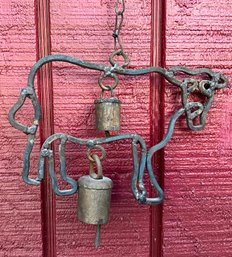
(107, 119)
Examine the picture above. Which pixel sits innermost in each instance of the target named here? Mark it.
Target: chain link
(119, 17)
(118, 49)
(90, 155)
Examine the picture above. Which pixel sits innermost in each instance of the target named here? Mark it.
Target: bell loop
(92, 173)
(90, 156)
(111, 92)
(108, 87)
(119, 53)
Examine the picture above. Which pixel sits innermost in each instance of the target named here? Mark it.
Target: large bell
(94, 198)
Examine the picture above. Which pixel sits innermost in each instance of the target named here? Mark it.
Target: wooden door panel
(20, 219)
(196, 166)
(197, 208)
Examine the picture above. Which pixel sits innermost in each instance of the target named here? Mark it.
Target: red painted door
(195, 168)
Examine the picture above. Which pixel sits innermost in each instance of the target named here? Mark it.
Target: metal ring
(92, 173)
(196, 113)
(103, 151)
(221, 81)
(111, 92)
(118, 53)
(108, 88)
(204, 90)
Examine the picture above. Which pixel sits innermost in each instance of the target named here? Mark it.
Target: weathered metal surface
(192, 110)
(107, 112)
(94, 197)
(94, 200)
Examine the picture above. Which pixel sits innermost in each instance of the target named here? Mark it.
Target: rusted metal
(194, 110)
(94, 198)
(107, 113)
(119, 17)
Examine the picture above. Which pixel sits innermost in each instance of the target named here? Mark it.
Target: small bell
(107, 113)
(94, 198)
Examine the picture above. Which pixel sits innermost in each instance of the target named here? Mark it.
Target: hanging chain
(118, 49)
(119, 10)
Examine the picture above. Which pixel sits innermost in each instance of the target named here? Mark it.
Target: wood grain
(197, 209)
(20, 220)
(45, 92)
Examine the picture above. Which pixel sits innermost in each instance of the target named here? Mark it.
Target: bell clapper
(97, 235)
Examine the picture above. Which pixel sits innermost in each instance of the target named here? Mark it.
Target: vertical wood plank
(157, 116)
(197, 217)
(47, 128)
(20, 217)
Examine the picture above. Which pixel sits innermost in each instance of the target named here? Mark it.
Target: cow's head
(196, 110)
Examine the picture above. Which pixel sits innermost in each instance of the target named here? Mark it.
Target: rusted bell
(94, 198)
(107, 113)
